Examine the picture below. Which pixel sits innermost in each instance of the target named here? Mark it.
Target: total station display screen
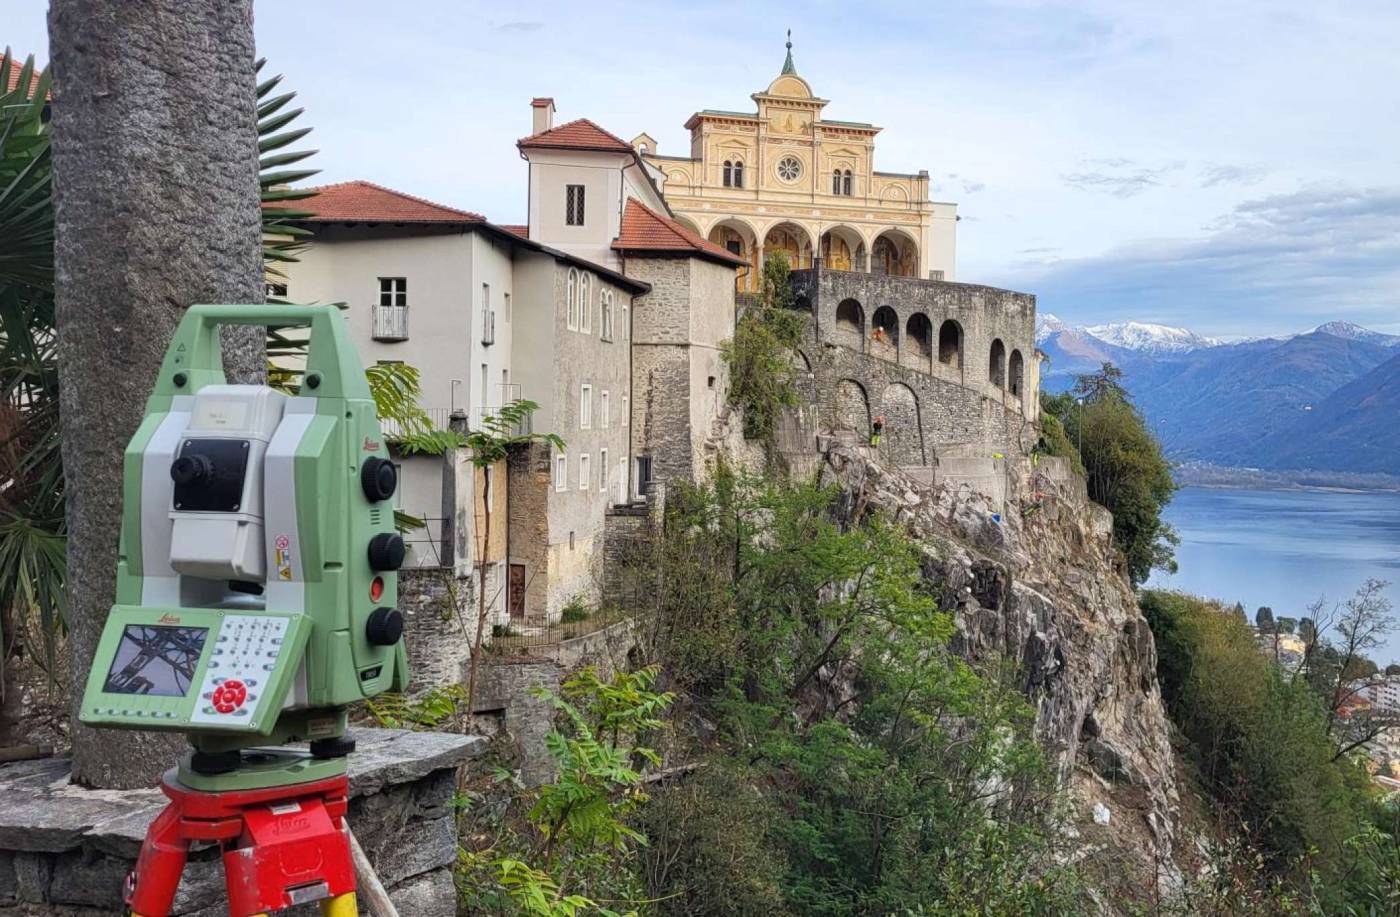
(156, 660)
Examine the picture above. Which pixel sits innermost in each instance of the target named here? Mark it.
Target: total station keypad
(241, 663)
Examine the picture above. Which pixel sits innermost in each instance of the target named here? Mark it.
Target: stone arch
(884, 333)
(850, 325)
(739, 238)
(917, 347)
(895, 253)
(678, 182)
(950, 344)
(894, 194)
(799, 361)
(853, 409)
(688, 223)
(1016, 374)
(793, 241)
(996, 364)
(843, 249)
(902, 439)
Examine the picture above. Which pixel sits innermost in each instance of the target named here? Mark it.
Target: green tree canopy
(1124, 467)
(762, 374)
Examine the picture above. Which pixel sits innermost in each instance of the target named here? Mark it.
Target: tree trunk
(155, 208)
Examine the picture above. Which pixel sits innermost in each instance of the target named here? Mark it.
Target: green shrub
(1053, 439)
(1260, 741)
(762, 375)
(575, 610)
(711, 849)
(817, 650)
(1123, 466)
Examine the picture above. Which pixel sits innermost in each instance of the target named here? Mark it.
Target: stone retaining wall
(66, 851)
(931, 402)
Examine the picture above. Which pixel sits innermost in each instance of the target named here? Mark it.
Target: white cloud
(1090, 126)
(1278, 263)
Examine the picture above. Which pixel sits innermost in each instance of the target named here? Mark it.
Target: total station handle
(194, 358)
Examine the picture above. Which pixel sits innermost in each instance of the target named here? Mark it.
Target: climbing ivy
(762, 377)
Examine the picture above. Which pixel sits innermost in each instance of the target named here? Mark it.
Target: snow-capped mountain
(1149, 338)
(1047, 324)
(1349, 331)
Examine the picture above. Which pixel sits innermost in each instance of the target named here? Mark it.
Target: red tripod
(282, 846)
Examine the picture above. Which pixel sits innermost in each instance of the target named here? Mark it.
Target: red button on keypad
(229, 696)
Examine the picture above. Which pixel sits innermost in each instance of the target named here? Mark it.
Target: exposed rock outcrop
(1041, 585)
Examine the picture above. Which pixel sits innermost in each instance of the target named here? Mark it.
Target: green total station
(256, 583)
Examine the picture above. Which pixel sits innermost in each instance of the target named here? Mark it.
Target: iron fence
(532, 635)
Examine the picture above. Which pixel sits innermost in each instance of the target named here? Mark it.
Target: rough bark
(156, 208)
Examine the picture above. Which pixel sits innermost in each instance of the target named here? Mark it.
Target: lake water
(1285, 548)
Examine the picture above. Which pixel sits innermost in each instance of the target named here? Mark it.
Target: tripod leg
(339, 906)
(162, 860)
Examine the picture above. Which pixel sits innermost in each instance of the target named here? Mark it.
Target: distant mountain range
(1324, 400)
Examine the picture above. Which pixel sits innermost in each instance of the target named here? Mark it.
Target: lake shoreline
(1284, 547)
(1222, 476)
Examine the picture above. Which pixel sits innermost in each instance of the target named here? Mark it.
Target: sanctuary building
(785, 179)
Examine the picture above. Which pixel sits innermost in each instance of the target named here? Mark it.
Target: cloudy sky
(1228, 165)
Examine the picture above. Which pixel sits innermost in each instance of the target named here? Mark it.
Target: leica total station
(256, 594)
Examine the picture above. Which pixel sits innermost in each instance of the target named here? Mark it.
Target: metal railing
(437, 417)
(477, 420)
(390, 323)
(531, 636)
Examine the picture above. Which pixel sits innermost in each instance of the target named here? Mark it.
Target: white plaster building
(427, 285)
(544, 312)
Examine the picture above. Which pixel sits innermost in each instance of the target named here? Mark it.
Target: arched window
(836, 182)
(571, 305)
(849, 312)
(846, 183)
(884, 333)
(919, 333)
(950, 344)
(738, 174)
(605, 315)
(728, 174)
(1018, 373)
(996, 364)
(585, 304)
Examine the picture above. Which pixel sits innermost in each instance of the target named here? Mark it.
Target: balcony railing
(390, 323)
(478, 417)
(437, 417)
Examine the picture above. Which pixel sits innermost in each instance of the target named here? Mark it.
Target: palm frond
(33, 533)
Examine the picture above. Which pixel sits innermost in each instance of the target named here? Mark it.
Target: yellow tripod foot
(339, 906)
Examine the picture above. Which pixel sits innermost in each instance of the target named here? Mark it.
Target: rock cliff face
(1041, 586)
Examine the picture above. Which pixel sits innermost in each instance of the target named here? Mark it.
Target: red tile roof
(366, 202)
(645, 230)
(16, 67)
(515, 229)
(576, 135)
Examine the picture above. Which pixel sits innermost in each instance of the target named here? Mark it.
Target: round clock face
(789, 168)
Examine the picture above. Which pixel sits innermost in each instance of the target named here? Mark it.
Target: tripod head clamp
(256, 583)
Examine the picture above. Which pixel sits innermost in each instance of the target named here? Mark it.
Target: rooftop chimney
(544, 114)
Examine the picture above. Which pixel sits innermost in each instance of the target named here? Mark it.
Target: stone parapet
(951, 367)
(66, 850)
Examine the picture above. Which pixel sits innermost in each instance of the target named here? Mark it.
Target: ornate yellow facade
(786, 179)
